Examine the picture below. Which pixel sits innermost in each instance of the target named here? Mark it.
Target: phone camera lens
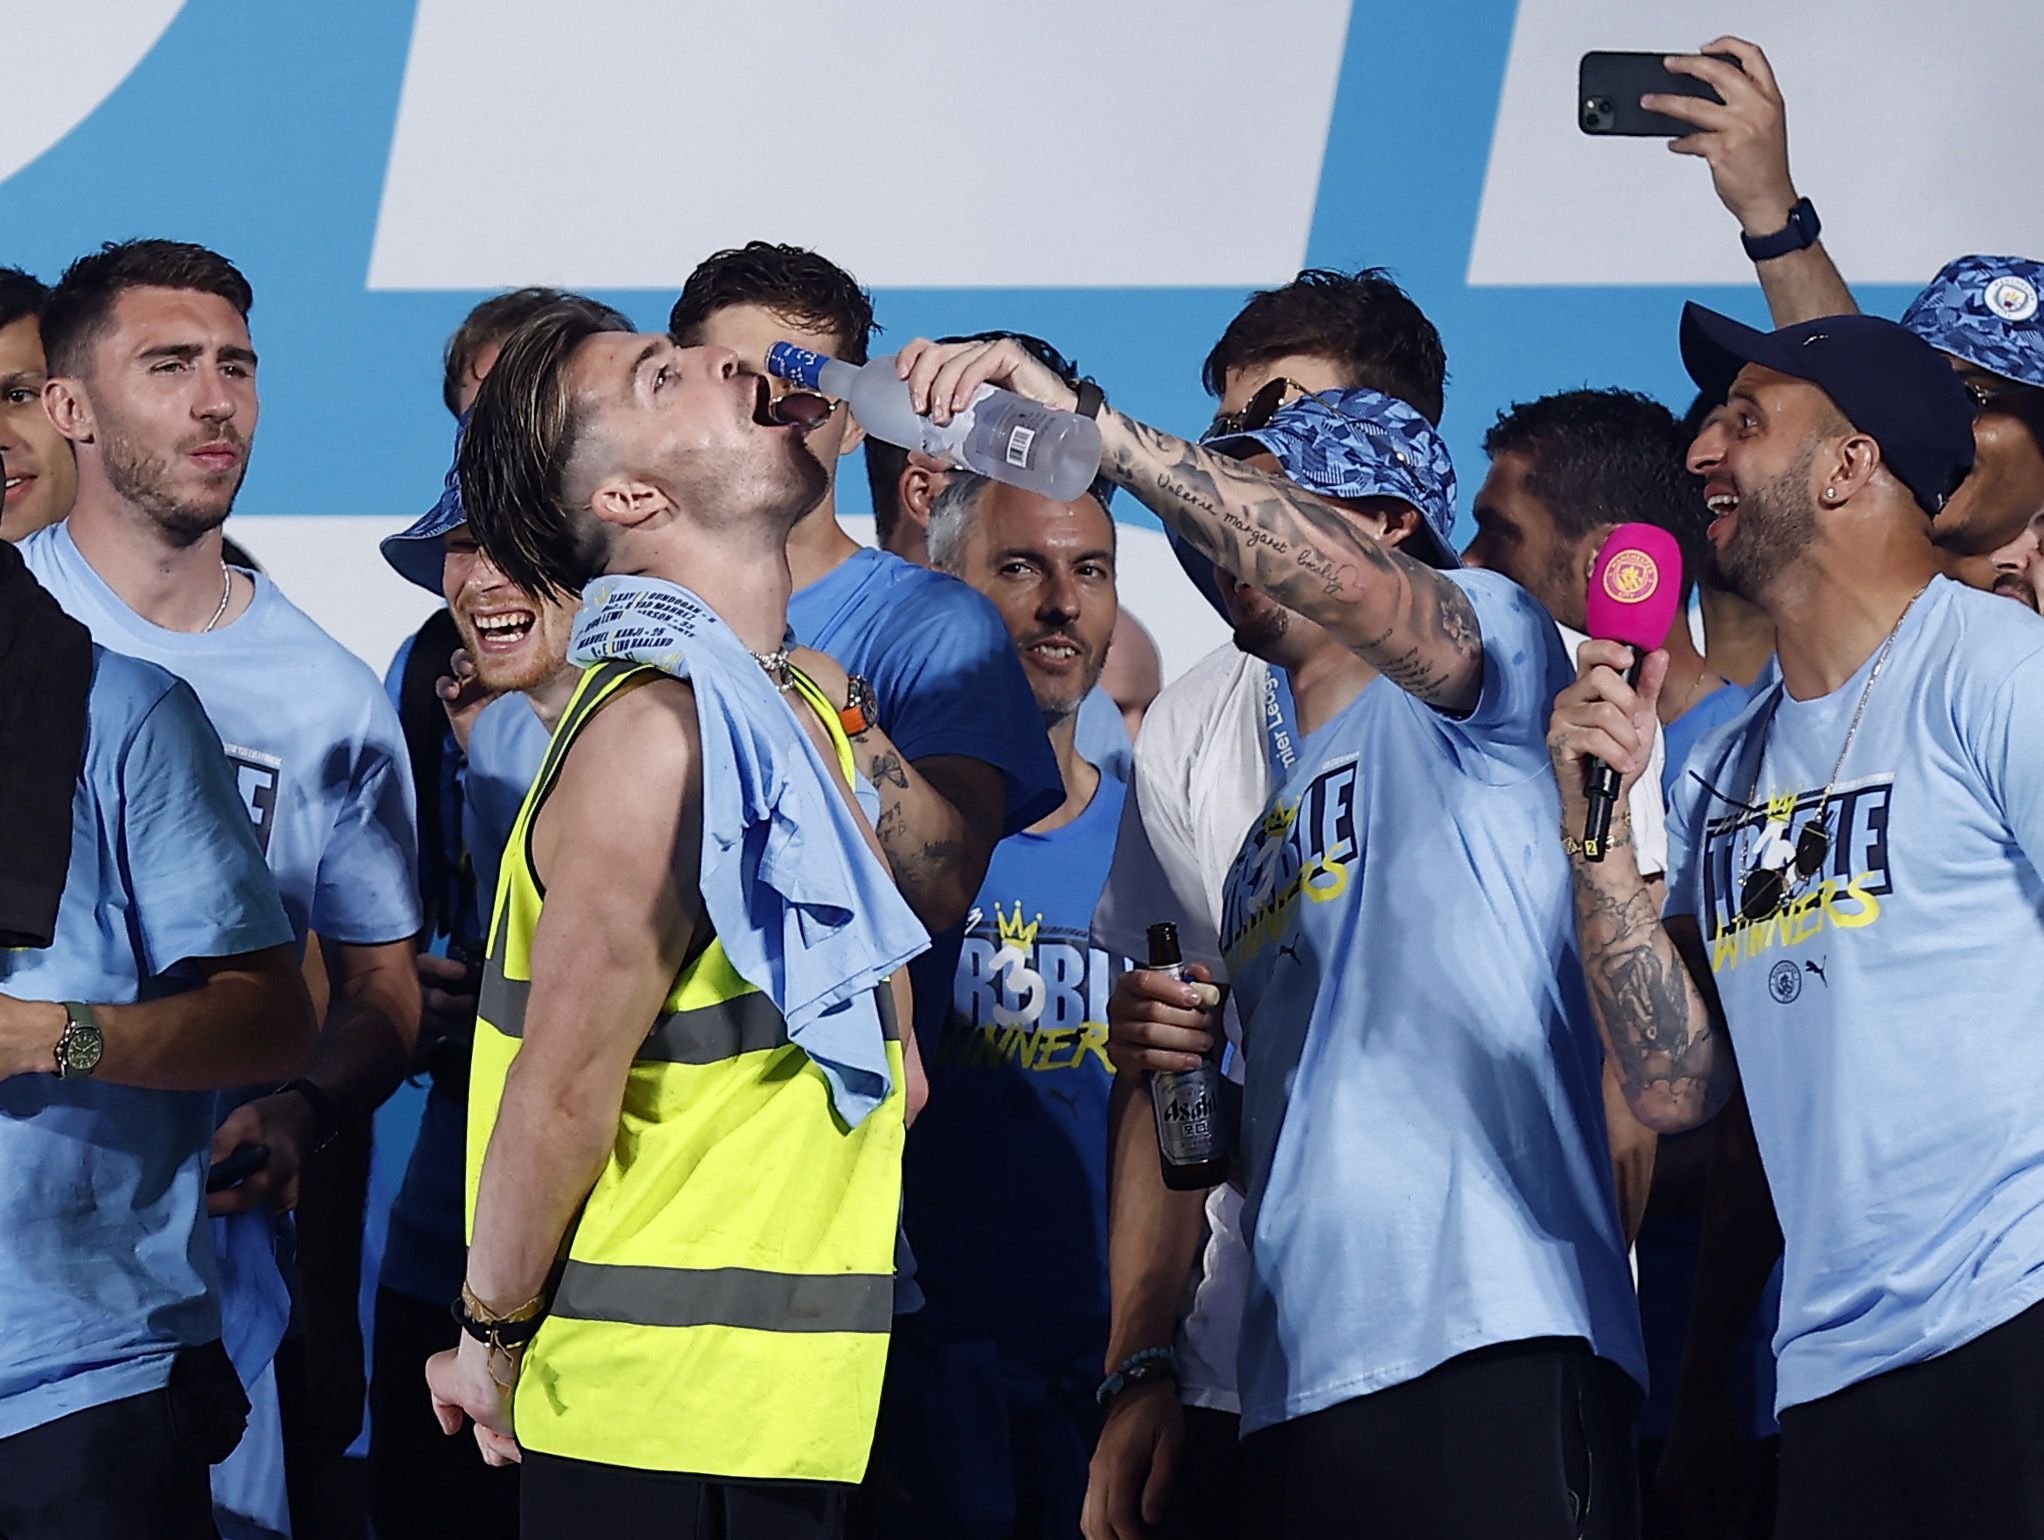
(1597, 114)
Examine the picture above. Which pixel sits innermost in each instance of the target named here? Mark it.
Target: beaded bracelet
(1148, 1364)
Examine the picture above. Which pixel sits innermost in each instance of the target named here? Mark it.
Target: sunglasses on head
(1765, 891)
(1272, 398)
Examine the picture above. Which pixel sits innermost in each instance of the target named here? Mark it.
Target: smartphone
(1609, 86)
(238, 1167)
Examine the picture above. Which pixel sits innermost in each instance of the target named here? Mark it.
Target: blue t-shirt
(947, 681)
(1884, 1019)
(1680, 736)
(313, 741)
(1103, 739)
(426, 1254)
(103, 1241)
(1006, 1173)
(1428, 1170)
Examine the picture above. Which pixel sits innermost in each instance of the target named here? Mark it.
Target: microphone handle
(1603, 789)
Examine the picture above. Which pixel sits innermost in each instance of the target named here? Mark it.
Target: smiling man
(42, 473)
(1854, 900)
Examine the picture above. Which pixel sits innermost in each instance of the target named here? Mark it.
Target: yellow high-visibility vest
(727, 1291)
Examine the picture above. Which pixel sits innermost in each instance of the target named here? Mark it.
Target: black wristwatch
(1091, 399)
(1799, 234)
(325, 1123)
(82, 1044)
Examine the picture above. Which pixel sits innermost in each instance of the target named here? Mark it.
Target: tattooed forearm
(1312, 556)
(1655, 1021)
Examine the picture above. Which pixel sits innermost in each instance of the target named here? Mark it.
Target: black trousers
(1523, 1441)
(424, 1485)
(567, 1499)
(1952, 1447)
(122, 1471)
(1207, 1499)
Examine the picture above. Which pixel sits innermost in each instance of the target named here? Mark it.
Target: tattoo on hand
(1661, 1037)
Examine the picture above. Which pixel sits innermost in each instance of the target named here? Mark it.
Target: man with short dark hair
(158, 972)
(954, 745)
(153, 380)
(1858, 856)
(993, 1419)
(474, 345)
(42, 473)
(687, 1107)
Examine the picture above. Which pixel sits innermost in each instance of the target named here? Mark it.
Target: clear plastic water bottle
(1193, 1137)
(1001, 434)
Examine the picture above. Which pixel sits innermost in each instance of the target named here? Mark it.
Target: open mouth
(1055, 652)
(503, 631)
(16, 486)
(1724, 509)
(802, 409)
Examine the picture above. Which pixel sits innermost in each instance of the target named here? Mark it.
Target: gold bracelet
(1621, 834)
(483, 1315)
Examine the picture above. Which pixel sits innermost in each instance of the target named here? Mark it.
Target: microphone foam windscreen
(1635, 586)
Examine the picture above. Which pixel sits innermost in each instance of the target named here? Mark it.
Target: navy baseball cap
(419, 551)
(1363, 443)
(1888, 381)
(1985, 311)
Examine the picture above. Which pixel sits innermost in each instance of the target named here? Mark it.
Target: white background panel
(1913, 127)
(932, 144)
(59, 59)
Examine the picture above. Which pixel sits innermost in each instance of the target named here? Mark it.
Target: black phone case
(1609, 86)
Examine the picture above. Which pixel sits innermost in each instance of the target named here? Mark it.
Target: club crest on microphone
(1631, 576)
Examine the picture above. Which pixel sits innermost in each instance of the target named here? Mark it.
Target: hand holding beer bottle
(1164, 1021)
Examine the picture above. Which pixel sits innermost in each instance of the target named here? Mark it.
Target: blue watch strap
(1798, 234)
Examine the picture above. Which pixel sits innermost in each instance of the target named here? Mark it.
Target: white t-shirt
(1204, 769)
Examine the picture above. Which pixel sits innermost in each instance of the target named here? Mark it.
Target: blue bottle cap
(796, 365)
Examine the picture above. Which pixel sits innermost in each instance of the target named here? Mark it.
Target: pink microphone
(1635, 587)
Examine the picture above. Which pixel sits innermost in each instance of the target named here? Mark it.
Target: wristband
(1149, 1364)
(1798, 234)
(1091, 399)
(324, 1122)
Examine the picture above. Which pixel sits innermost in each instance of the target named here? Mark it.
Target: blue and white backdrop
(1112, 176)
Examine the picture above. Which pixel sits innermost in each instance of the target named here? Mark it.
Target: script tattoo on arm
(1659, 1027)
(1400, 615)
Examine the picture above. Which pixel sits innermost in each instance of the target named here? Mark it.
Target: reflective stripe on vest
(724, 1303)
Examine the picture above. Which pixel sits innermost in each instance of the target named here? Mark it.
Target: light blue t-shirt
(107, 1260)
(1102, 738)
(1428, 1170)
(1005, 1178)
(505, 749)
(947, 681)
(313, 741)
(1681, 736)
(1885, 1020)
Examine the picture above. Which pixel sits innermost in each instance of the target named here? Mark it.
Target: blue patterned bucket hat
(1363, 443)
(418, 552)
(1985, 310)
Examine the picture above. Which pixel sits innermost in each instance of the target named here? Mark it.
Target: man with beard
(1981, 312)
(687, 1106)
(42, 474)
(1854, 897)
(991, 1416)
(153, 380)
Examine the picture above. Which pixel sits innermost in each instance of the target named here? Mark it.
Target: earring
(1831, 494)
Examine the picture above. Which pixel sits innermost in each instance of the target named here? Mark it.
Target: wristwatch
(1800, 232)
(82, 1044)
(861, 709)
(1091, 399)
(326, 1123)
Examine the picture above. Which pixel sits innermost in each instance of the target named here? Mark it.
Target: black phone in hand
(1609, 86)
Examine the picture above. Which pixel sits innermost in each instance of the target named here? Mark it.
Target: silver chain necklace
(1859, 711)
(226, 594)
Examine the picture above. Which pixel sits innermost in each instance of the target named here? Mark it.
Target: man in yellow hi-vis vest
(689, 1091)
